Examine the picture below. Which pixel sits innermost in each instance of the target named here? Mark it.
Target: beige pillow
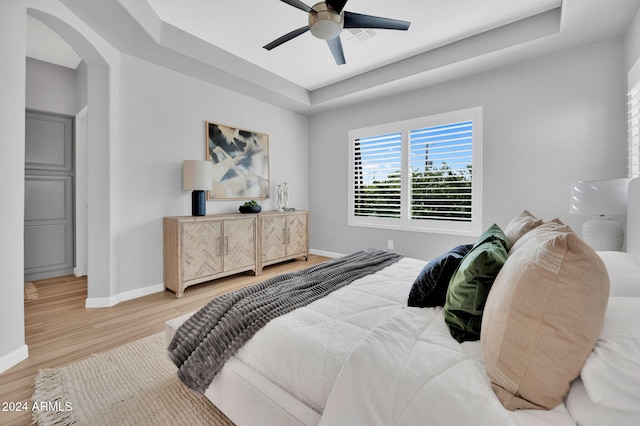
(546, 226)
(542, 318)
(520, 225)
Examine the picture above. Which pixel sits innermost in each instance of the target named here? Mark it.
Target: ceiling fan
(326, 21)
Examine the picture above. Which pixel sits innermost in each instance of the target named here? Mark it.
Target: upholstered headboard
(633, 219)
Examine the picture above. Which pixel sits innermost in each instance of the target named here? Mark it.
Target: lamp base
(603, 233)
(198, 203)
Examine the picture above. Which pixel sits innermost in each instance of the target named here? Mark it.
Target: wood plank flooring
(59, 330)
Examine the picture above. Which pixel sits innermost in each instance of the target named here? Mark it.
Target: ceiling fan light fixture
(326, 30)
(328, 18)
(325, 23)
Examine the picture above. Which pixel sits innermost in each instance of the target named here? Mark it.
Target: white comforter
(360, 357)
(304, 350)
(409, 370)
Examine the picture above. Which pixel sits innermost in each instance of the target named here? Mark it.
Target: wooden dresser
(203, 248)
(283, 236)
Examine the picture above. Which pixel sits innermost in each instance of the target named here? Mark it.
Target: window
(633, 107)
(419, 175)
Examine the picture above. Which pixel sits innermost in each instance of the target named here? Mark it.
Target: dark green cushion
(470, 284)
(494, 232)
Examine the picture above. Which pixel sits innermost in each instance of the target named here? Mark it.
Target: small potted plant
(250, 207)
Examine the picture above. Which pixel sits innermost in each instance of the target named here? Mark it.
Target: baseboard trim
(326, 253)
(12, 358)
(107, 302)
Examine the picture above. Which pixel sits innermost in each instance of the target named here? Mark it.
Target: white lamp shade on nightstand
(197, 176)
(600, 199)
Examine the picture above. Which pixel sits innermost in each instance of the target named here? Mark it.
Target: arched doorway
(98, 162)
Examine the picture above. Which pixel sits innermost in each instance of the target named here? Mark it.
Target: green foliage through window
(441, 172)
(438, 190)
(421, 174)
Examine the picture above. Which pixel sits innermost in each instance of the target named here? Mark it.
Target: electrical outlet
(390, 244)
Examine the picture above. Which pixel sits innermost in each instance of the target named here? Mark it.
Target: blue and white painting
(240, 163)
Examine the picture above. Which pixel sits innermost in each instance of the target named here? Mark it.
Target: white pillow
(585, 412)
(611, 374)
(624, 273)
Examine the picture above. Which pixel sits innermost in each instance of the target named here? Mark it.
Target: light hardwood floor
(59, 330)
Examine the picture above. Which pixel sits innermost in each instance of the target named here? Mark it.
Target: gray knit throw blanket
(212, 335)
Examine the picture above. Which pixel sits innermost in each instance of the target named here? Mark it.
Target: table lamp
(601, 199)
(197, 176)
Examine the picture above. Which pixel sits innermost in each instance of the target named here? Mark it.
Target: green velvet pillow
(470, 284)
(494, 233)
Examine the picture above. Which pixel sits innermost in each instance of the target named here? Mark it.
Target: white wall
(81, 85)
(12, 106)
(162, 115)
(102, 64)
(143, 121)
(632, 43)
(546, 123)
(51, 88)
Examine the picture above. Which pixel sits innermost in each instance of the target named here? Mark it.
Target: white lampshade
(601, 198)
(197, 175)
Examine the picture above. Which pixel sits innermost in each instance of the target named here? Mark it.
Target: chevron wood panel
(201, 249)
(240, 243)
(297, 242)
(273, 238)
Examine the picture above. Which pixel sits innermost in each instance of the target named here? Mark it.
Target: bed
(361, 356)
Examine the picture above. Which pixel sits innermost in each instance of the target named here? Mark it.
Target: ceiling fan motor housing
(324, 22)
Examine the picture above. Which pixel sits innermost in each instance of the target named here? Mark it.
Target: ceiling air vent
(362, 34)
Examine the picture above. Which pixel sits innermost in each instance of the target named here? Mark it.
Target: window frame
(405, 223)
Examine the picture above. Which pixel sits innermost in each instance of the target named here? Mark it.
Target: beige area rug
(134, 384)
(30, 291)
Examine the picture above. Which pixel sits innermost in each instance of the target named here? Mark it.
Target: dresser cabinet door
(199, 249)
(239, 244)
(297, 234)
(273, 237)
(201, 246)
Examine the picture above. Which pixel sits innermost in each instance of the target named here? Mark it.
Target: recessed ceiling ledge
(239, 75)
(533, 28)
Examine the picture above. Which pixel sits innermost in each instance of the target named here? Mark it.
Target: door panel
(240, 243)
(298, 232)
(48, 142)
(46, 197)
(273, 237)
(49, 196)
(202, 249)
(40, 258)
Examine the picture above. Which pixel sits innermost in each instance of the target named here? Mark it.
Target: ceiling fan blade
(336, 5)
(336, 49)
(297, 4)
(285, 38)
(356, 20)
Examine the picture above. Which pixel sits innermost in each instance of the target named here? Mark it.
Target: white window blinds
(441, 172)
(377, 169)
(633, 108)
(422, 174)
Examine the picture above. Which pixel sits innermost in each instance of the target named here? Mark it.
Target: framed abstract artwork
(240, 163)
